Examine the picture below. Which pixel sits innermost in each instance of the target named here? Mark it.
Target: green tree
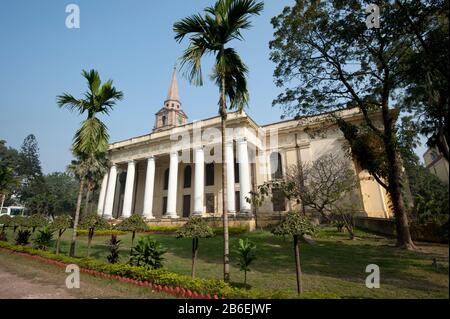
(63, 187)
(295, 225)
(426, 69)
(195, 228)
(134, 223)
(8, 182)
(337, 62)
(246, 255)
(91, 140)
(60, 223)
(9, 179)
(92, 222)
(29, 169)
(211, 33)
(37, 221)
(42, 203)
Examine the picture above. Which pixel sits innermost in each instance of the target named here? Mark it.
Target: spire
(173, 95)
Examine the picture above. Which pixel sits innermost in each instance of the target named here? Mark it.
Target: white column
(149, 187)
(111, 189)
(172, 190)
(244, 175)
(229, 159)
(129, 189)
(101, 198)
(199, 181)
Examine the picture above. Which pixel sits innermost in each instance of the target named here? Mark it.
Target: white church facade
(175, 171)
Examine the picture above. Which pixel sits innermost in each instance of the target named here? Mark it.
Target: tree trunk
(75, 222)
(194, 254)
(298, 268)
(58, 241)
(245, 277)
(86, 202)
(3, 202)
(90, 236)
(226, 248)
(404, 239)
(132, 241)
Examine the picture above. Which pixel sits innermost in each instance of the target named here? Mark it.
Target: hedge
(84, 232)
(235, 230)
(160, 279)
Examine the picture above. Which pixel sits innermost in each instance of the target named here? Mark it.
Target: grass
(334, 266)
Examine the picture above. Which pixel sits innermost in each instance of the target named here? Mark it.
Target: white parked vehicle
(13, 211)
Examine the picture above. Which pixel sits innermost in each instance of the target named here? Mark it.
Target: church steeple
(173, 95)
(171, 115)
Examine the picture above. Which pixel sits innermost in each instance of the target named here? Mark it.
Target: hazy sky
(129, 41)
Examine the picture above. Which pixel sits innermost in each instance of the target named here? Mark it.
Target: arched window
(187, 176)
(276, 167)
(164, 120)
(209, 174)
(166, 179)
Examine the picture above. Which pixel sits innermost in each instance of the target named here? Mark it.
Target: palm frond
(70, 102)
(91, 138)
(193, 24)
(191, 60)
(93, 79)
(235, 72)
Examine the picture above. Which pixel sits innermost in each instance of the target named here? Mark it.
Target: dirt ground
(22, 278)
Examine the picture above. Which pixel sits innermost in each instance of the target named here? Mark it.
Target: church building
(167, 181)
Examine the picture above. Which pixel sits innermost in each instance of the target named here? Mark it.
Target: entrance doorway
(186, 205)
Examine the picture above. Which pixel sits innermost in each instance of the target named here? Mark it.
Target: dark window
(276, 167)
(236, 172)
(237, 201)
(187, 176)
(209, 174)
(164, 210)
(278, 200)
(209, 199)
(166, 179)
(163, 119)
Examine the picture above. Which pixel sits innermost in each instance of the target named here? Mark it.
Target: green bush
(114, 246)
(23, 237)
(164, 229)
(43, 239)
(235, 230)
(85, 232)
(147, 253)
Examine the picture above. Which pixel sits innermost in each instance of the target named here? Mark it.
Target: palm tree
(91, 139)
(210, 34)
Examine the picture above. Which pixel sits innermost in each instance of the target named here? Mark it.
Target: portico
(164, 186)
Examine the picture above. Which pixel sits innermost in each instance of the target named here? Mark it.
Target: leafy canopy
(93, 222)
(133, 223)
(196, 227)
(294, 224)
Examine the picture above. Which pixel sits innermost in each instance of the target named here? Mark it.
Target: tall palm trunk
(75, 222)
(226, 248)
(86, 202)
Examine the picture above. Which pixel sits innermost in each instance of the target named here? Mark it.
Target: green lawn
(334, 266)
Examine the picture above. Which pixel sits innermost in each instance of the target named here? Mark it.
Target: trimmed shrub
(43, 239)
(114, 246)
(23, 237)
(147, 253)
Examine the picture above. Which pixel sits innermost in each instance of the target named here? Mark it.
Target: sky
(128, 41)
